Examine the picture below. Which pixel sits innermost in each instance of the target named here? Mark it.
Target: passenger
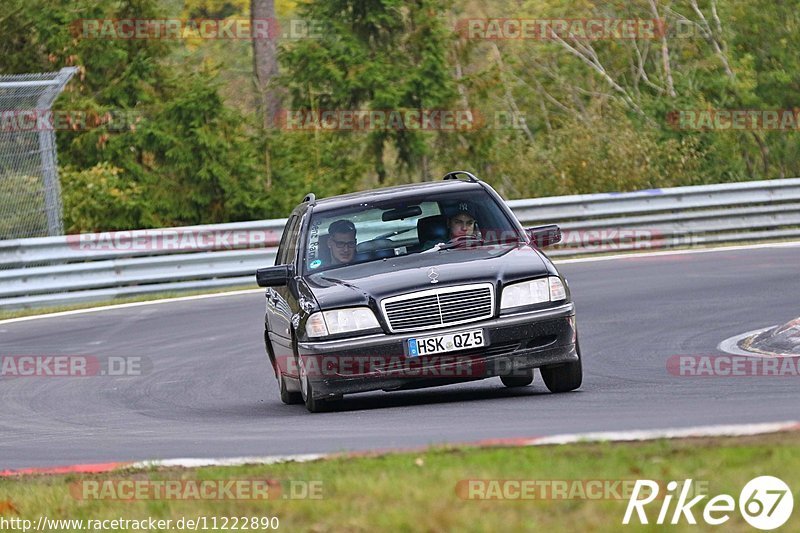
(342, 242)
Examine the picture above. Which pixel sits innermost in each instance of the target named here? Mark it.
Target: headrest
(323, 252)
(432, 228)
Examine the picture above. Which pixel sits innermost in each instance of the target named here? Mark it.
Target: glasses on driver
(341, 245)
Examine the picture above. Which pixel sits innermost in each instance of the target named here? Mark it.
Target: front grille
(435, 308)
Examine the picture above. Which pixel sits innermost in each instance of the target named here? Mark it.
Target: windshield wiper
(459, 242)
(393, 233)
(469, 242)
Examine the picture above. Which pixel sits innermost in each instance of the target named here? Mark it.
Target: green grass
(417, 491)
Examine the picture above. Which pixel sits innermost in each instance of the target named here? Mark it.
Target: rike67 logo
(765, 503)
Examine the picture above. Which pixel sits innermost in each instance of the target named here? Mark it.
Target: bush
(22, 211)
(100, 198)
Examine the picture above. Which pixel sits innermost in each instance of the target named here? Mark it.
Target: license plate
(463, 340)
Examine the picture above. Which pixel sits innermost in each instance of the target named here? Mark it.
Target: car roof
(396, 193)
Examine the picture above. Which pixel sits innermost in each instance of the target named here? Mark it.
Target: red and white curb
(731, 345)
(736, 430)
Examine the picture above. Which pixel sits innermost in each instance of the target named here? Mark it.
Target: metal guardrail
(54, 271)
(668, 218)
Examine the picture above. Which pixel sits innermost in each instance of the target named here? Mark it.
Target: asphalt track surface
(211, 393)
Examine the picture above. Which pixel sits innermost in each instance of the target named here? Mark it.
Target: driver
(462, 223)
(342, 242)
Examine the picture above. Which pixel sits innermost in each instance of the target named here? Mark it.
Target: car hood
(368, 283)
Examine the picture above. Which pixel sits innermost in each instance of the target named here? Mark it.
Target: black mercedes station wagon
(415, 286)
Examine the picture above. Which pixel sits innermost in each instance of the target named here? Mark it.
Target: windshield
(371, 231)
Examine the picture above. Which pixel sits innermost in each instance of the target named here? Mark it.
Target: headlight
(536, 291)
(322, 324)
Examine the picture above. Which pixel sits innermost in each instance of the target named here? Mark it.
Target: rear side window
(287, 250)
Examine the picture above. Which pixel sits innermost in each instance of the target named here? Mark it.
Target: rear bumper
(514, 343)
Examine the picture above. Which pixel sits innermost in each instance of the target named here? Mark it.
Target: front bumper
(514, 342)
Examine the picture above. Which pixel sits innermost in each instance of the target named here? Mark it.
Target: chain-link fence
(30, 194)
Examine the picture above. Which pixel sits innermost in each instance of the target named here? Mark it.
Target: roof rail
(309, 198)
(454, 176)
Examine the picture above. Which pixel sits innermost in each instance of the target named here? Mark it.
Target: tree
(265, 59)
(374, 55)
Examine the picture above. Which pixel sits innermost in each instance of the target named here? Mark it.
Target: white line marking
(250, 291)
(733, 430)
(233, 461)
(131, 304)
(679, 252)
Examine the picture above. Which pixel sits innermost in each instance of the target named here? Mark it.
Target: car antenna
(454, 175)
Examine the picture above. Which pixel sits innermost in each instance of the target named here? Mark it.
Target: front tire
(288, 397)
(314, 405)
(523, 380)
(565, 377)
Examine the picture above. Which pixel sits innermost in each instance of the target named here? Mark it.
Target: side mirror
(545, 235)
(275, 276)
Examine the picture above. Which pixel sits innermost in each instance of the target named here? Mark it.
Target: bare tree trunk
(265, 68)
(664, 52)
(510, 100)
(716, 41)
(265, 59)
(764, 150)
(586, 53)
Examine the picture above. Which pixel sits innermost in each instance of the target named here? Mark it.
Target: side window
(291, 246)
(288, 240)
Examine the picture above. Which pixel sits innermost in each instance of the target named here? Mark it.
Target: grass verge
(418, 491)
